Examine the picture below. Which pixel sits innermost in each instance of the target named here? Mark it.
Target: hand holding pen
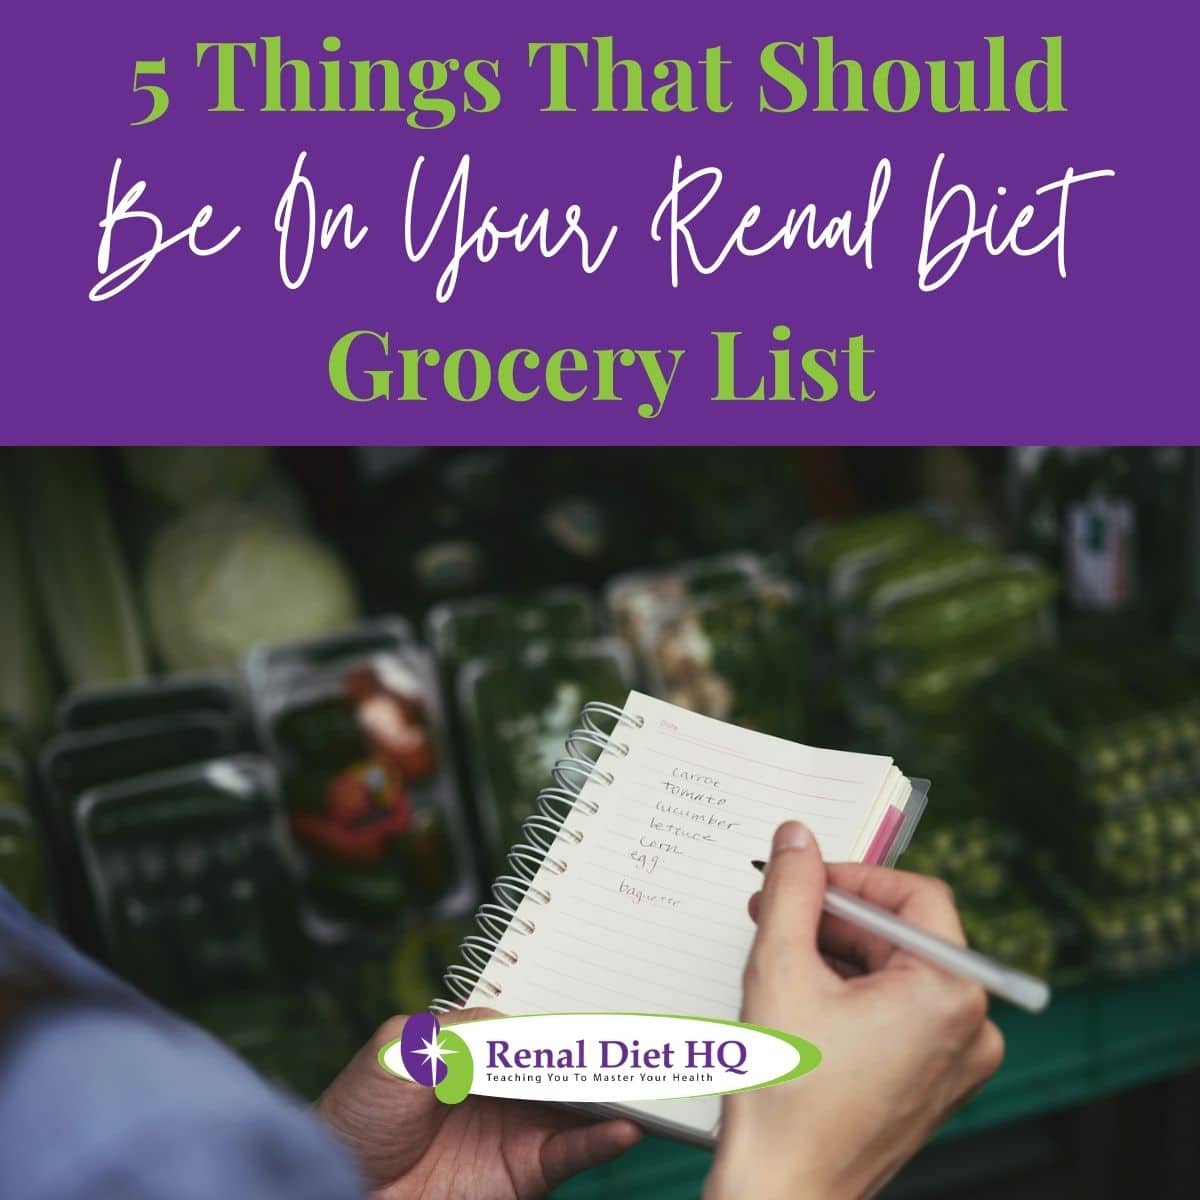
(904, 1043)
(1025, 991)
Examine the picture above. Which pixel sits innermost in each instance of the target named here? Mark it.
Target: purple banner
(862, 262)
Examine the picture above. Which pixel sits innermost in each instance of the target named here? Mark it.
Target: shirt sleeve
(103, 1094)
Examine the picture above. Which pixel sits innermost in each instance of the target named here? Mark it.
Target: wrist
(765, 1176)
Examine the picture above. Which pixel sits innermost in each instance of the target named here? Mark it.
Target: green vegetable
(963, 608)
(187, 870)
(82, 581)
(830, 544)
(941, 677)
(226, 577)
(24, 682)
(929, 566)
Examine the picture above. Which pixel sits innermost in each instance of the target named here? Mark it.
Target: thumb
(789, 910)
(573, 1150)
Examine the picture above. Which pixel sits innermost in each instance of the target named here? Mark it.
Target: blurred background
(270, 719)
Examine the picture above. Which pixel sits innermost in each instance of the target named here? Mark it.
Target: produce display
(921, 616)
(277, 816)
(192, 879)
(1099, 745)
(360, 738)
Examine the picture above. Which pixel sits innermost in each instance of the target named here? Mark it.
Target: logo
(602, 1058)
(433, 1057)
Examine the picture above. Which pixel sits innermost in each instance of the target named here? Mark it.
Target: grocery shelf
(1095, 1038)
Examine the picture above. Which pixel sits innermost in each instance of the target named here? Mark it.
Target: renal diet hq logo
(602, 1058)
(434, 1058)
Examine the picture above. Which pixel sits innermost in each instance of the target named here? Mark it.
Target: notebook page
(650, 912)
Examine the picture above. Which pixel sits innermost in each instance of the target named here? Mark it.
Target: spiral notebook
(628, 892)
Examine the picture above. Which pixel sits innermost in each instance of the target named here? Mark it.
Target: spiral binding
(480, 952)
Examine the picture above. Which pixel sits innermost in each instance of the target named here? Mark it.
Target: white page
(650, 913)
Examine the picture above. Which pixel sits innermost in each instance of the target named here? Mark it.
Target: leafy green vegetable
(226, 577)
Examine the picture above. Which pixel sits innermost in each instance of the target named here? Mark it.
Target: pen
(1025, 991)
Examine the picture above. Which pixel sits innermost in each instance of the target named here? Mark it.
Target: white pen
(1025, 991)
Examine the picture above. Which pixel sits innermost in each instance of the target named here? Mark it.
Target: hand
(903, 1043)
(409, 1144)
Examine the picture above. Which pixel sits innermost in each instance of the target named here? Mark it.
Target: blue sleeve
(104, 1095)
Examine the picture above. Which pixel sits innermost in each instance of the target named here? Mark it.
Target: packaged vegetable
(71, 763)
(164, 696)
(1009, 592)
(361, 744)
(518, 713)
(190, 874)
(637, 600)
(742, 656)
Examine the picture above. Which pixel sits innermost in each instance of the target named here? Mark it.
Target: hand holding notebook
(631, 896)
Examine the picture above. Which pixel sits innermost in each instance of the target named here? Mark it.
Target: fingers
(789, 907)
(457, 1015)
(574, 1150)
(985, 1055)
(926, 902)
(980, 1063)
